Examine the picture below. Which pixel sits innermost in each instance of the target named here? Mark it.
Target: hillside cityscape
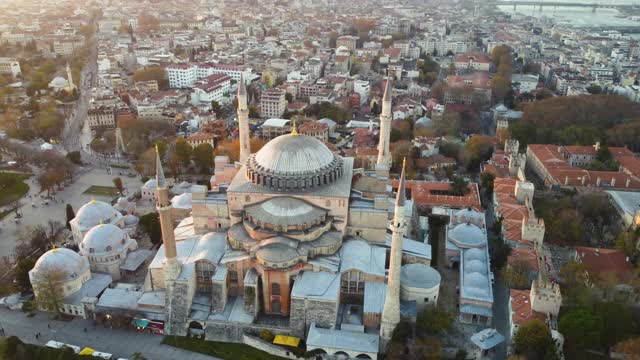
(300, 179)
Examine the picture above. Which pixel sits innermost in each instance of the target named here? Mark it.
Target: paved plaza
(72, 194)
(119, 342)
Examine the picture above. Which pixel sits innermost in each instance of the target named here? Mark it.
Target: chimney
(566, 181)
(597, 252)
(598, 181)
(628, 182)
(584, 180)
(597, 145)
(613, 181)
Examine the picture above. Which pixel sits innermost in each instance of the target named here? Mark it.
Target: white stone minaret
(71, 85)
(384, 156)
(243, 122)
(171, 265)
(391, 310)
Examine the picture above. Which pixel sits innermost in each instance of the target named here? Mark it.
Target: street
(121, 343)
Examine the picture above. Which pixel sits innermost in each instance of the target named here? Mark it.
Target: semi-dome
(294, 162)
(474, 254)
(130, 220)
(419, 276)
(103, 239)
(67, 261)
(475, 266)
(467, 235)
(285, 211)
(150, 184)
(424, 122)
(182, 201)
(94, 213)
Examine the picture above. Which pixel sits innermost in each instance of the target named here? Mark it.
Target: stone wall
(180, 308)
(250, 299)
(219, 296)
(267, 347)
(234, 332)
(305, 311)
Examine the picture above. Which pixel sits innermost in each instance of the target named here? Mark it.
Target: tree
(500, 86)
(516, 275)
(149, 73)
(486, 181)
(498, 52)
(500, 252)
(533, 340)
(23, 266)
(288, 97)
(150, 224)
(616, 322)
(433, 321)
(402, 332)
(459, 186)
(630, 348)
(74, 157)
(183, 151)
(46, 283)
(203, 157)
(147, 23)
(70, 215)
(581, 329)
(138, 356)
(117, 182)
(216, 108)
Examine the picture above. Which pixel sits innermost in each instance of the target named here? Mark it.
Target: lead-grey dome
(94, 213)
(294, 162)
(68, 262)
(103, 239)
(467, 235)
(419, 276)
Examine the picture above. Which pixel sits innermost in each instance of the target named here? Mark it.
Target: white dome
(474, 254)
(467, 213)
(184, 184)
(150, 184)
(475, 266)
(295, 154)
(467, 235)
(103, 239)
(419, 276)
(130, 220)
(501, 108)
(476, 280)
(58, 82)
(182, 201)
(94, 213)
(59, 259)
(122, 201)
(424, 122)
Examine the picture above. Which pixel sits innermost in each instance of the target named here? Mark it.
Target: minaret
(384, 156)
(171, 266)
(391, 310)
(243, 122)
(71, 85)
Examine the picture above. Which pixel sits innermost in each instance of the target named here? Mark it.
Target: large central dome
(294, 162)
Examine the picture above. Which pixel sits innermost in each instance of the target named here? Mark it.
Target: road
(121, 343)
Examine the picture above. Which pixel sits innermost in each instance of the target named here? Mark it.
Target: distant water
(576, 16)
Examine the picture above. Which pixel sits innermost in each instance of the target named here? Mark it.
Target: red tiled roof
(433, 193)
(521, 307)
(601, 261)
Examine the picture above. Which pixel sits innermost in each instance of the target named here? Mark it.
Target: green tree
(402, 332)
(581, 329)
(117, 182)
(216, 108)
(616, 322)
(203, 157)
(23, 266)
(486, 181)
(150, 224)
(288, 97)
(47, 287)
(149, 73)
(533, 340)
(433, 320)
(183, 151)
(459, 186)
(70, 215)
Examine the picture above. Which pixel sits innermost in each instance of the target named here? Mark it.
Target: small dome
(501, 108)
(94, 213)
(474, 254)
(182, 201)
(58, 82)
(467, 213)
(122, 201)
(130, 220)
(467, 235)
(103, 239)
(150, 184)
(475, 266)
(184, 185)
(476, 280)
(424, 122)
(419, 276)
(60, 259)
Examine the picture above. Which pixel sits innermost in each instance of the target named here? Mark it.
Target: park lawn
(15, 192)
(102, 190)
(4, 213)
(226, 351)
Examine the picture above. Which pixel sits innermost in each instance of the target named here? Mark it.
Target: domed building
(287, 240)
(420, 283)
(148, 190)
(91, 214)
(62, 278)
(106, 247)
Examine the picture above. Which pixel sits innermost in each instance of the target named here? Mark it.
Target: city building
(273, 103)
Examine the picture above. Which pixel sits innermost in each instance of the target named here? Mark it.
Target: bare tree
(47, 285)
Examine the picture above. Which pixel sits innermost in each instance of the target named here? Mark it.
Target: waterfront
(574, 16)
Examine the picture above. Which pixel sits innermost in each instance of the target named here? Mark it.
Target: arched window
(204, 273)
(92, 250)
(352, 282)
(275, 289)
(108, 248)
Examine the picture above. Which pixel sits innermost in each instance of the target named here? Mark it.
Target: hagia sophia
(292, 239)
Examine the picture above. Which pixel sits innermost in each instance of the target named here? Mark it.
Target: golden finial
(93, 201)
(54, 249)
(157, 151)
(294, 130)
(404, 161)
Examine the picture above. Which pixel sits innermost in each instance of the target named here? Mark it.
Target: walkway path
(121, 343)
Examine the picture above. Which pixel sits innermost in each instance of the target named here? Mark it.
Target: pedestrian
(85, 329)
(49, 326)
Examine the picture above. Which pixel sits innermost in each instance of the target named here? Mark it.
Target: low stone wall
(268, 347)
(234, 332)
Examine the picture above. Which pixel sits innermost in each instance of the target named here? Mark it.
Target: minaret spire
(384, 155)
(391, 310)
(160, 180)
(166, 222)
(243, 121)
